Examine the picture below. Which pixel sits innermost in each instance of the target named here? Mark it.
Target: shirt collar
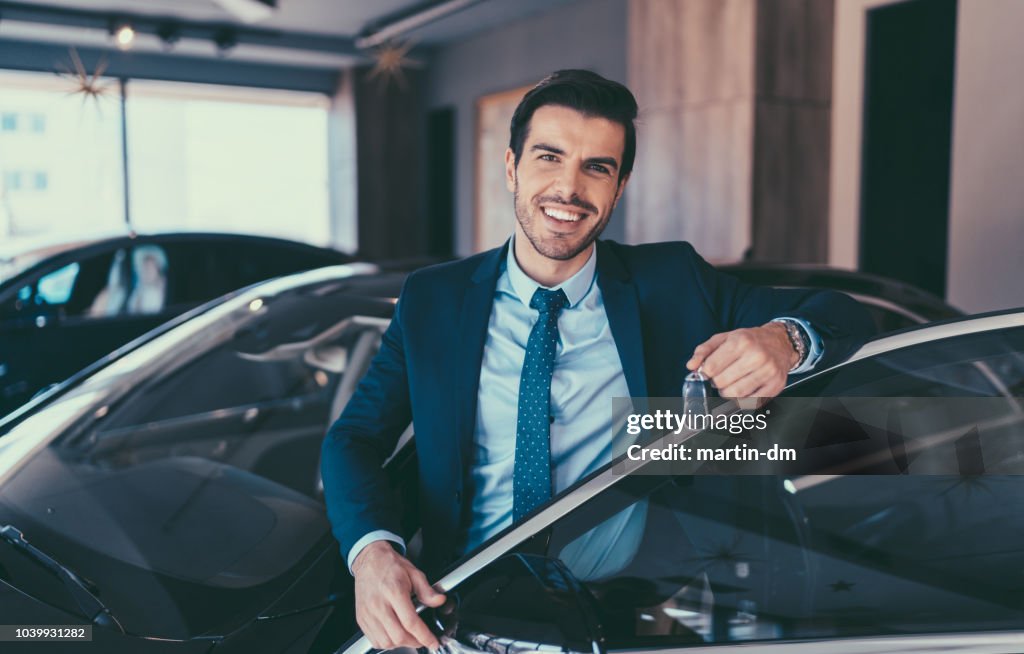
(574, 288)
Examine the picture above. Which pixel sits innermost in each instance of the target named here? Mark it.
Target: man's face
(567, 181)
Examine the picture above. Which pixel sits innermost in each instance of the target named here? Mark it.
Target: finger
(396, 632)
(415, 626)
(719, 361)
(701, 352)
(374, 632)
(423, 591)
(768, 392)
(744, 386)
(746, 363)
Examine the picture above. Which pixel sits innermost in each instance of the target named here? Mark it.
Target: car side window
(986, 364)
(67, 292)
(136, 284)
(716, 558)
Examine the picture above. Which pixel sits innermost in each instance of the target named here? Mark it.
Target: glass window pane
(225, 159)
(723, 558)
(55, 288)
(60, 157)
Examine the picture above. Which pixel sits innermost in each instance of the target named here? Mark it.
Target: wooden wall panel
(792, 130)
(691, 66)
(733, 137)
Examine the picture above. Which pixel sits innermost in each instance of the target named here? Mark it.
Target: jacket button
(458, 496)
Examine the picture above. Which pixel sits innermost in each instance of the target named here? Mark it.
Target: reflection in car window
(55, 288)
(192, 498)
(721, 558)
(984, 364)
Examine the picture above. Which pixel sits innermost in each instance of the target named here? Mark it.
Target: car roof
(920, 304)
(26, 257)
(359, 280)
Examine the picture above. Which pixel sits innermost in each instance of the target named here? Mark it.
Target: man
(507, 361)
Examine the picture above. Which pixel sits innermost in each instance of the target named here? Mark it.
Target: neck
(546, 271)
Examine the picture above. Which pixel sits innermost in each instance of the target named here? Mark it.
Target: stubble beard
(555, 247)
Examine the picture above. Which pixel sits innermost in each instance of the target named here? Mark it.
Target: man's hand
(385, 584)
(747, 363)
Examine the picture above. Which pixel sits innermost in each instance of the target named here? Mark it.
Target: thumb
(425, 593)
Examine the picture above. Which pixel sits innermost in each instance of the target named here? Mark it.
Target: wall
(847, 117)
(792, 117)
(735, 99)
(986, 230)
(986, 236)
(585, 34)
(691, 65)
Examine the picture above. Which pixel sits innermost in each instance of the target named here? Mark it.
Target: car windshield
(183, 479)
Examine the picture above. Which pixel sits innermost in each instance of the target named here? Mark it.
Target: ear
(622, 187)
(510, 170)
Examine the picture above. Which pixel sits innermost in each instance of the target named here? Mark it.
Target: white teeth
(565, 216)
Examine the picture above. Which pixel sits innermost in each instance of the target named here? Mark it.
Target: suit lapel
(623, 309)
(472, 335)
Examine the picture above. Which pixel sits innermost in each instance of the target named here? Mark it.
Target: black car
(78, 303)
(893, 304)
(174, 488)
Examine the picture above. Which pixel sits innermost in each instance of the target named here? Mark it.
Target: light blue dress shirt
(587, 375)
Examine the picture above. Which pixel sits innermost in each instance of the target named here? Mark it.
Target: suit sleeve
(840, 321)
(360, 498)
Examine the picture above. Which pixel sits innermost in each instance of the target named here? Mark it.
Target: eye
(599, 168)
(548, 157)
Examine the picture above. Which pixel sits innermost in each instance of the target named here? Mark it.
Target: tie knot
(547, 301)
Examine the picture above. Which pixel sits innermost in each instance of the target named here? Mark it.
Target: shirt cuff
(814, 352)
(372, 537)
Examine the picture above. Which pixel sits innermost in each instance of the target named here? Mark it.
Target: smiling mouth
(562, 215)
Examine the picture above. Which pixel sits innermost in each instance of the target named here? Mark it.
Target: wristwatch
(798, 338)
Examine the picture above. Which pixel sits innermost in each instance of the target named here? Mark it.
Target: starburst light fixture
(82, 83)
(389, 60)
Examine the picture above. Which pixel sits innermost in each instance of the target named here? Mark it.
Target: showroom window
(224, 159)
(194, 158)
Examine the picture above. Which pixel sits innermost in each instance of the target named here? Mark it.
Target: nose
(567, 184)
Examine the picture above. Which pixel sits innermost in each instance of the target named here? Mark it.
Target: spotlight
(125, 37)
(169, 34)
(225, 39)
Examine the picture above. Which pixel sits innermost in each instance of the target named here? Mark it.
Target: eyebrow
(607, 161)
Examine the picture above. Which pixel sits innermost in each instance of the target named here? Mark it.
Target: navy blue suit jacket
(662, 300)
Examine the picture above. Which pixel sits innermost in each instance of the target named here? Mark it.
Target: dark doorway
(908, 122)
(441, 181)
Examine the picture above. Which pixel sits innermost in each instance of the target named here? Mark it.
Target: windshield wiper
(81, 591)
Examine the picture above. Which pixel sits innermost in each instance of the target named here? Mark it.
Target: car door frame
(619, 469)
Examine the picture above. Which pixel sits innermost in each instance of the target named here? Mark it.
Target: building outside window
(199, 158)
(38, 122)
(207, 157)
(81, 190)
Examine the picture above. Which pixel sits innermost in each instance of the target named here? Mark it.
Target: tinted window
(192, 499)
(69, 291)
(722, 558)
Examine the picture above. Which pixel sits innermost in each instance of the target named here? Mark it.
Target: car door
(927, 556)
(61, 319)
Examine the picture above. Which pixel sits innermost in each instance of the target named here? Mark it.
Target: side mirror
(522, 603)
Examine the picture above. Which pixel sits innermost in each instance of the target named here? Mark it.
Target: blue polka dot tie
(531, 479)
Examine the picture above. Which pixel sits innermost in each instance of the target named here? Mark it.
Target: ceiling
(322, 33)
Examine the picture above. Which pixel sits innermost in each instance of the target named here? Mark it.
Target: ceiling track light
(169, 34)
(123, 33)
(225, 39)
